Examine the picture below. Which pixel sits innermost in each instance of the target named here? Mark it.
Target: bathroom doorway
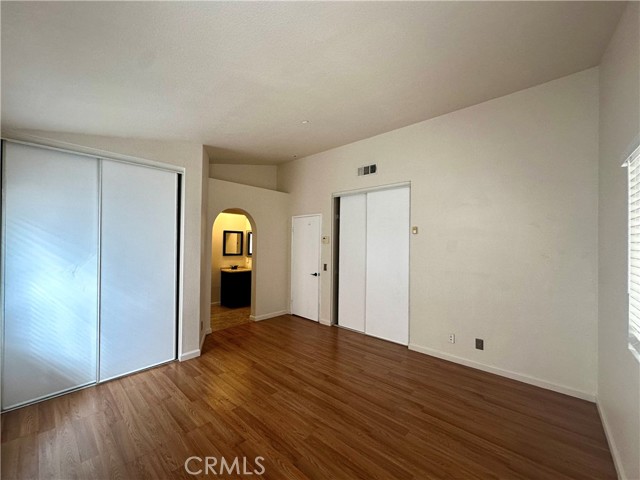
(232, 251)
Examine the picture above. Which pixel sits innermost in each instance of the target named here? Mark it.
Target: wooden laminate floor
(225, 317)
(315, 402)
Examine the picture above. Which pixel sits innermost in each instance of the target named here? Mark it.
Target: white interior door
(352, 264)
(387, 299)
(305, 266)
(50, 272)
(139, 268)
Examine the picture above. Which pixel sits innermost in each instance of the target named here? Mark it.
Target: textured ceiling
(240, 77)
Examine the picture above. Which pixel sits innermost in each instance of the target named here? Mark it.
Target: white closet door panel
(50, 273)
(387, 302)
(138, 269)
(352, 262)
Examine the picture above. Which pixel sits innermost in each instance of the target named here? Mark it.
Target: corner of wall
(618, 374)
(615, 451)
(205, 249)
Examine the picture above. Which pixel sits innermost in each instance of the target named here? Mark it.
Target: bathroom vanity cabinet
(235, 287)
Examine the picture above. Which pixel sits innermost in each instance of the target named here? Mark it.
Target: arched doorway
(233, 262)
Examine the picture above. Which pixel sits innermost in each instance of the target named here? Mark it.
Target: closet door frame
(98, 155)
(335, 251)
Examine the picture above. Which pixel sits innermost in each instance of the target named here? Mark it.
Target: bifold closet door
(352, 264)
(387, 302)
(138, 268)
(50, 272)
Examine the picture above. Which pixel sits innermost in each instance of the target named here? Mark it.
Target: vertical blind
(633, 165)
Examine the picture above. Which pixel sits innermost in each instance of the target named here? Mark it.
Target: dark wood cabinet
(235, 287)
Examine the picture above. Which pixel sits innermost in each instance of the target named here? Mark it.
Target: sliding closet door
(139, 268)
(352, 263)
(387, 302)
(50, 272)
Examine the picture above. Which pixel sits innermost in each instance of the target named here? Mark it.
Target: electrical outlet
(479, 344)
(452, 338)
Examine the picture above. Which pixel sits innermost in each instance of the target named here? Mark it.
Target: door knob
(315, 274)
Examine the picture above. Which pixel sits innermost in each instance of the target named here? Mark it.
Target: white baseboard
(215, 303)
(324, 321)
(615, 453)
(207, 332)
(189, 355)
(257, 318)
(505, 373)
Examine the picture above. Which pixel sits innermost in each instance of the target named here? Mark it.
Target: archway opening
(233, 262)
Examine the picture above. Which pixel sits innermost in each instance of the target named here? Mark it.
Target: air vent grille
(367, 169)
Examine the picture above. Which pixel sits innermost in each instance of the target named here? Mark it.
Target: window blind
(633, 165)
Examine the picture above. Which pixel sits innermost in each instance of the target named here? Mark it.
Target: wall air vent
(367, 170)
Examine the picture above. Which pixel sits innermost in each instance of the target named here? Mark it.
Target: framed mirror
(232, 242)
(249, 244)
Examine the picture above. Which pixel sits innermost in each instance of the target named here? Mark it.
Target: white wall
(226, 221)
(195, 163)
(269, 212)
(618, 370)
(505, 195)
(263, 176)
